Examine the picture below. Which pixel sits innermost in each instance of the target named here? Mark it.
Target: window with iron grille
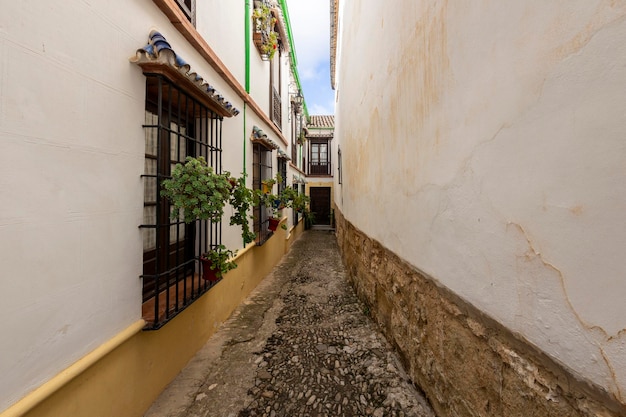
(319, 158)
(294, 136)
(189, 9)
(261, 170)
(275, 91)
(299, 188)
(282, 169)
(339, 180)
(176, 126)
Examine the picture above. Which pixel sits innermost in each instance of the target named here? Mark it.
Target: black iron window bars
(176, 126)
(261, 170)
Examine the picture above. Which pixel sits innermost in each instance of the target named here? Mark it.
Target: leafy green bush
(197, 191)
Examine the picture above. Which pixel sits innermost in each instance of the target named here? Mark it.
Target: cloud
(310, 26)
(322, 109)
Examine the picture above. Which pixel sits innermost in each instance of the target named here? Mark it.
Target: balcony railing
(319, 168)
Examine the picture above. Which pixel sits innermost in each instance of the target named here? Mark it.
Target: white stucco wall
(484, 143)
(71, 157)
(217, 21)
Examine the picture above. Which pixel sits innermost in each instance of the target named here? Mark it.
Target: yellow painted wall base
(125, 381)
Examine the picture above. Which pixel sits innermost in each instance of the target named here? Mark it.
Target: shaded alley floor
(300, 345)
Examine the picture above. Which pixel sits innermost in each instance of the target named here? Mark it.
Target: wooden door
(320, 204)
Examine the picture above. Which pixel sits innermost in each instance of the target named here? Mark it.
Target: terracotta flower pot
(273, 225)
(257, 38)
(208, 274)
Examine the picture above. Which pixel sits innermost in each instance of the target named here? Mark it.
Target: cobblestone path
(302, 345)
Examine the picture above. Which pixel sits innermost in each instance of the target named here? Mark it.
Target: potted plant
(272, 202)
(277, 202)
(262, 17)
(264, 37)
(301, 138)
(196, 191)
(300, 202)
(270, 46)
(309, 219)
(273, 223)
(217, 262)
(267, 185)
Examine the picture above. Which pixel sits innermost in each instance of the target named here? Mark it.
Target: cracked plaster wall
(488, 151)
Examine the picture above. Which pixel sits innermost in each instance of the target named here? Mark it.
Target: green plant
(197, 191)
(264, 23)
(309, 218)
(262, 16)
(220, 260)
(241, 199)
(270, 46)
(287, 198)
(268, 200)
(300, 202)
(267, 185)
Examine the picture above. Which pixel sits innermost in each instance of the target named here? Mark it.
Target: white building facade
(94, 96)
(488, 155)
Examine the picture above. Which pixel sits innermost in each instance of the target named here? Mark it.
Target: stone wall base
(465, 362)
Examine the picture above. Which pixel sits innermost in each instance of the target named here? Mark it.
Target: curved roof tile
(321, 121)
(158, 51)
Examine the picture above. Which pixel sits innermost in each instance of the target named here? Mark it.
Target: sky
(310, 27)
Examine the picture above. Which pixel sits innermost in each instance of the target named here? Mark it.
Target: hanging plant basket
(264, 37)
(257, 39)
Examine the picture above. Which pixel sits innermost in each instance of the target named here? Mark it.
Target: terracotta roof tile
(321, 121)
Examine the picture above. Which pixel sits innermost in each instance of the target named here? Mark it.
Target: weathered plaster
(488, 152)
(467, 364)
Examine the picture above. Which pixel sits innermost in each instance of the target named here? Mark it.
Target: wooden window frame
(318, 165)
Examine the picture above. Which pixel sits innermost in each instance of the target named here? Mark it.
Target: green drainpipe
(247, 24)
(294, 61)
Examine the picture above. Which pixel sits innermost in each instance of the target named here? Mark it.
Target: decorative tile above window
(158, 57)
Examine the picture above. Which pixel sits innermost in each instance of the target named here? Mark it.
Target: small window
(275, 93)
(282, 169)
(339, 179)
(299, 188)
(319, 159)
(189, 9)
(261, 170)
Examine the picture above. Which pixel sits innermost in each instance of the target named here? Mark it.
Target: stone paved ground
(301, 345)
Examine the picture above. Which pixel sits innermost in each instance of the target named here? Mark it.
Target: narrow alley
(301, 345)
